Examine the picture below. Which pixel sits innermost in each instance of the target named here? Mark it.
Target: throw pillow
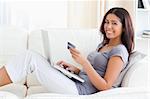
(134, 58)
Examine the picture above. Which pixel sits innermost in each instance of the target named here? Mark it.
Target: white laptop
(47, 51)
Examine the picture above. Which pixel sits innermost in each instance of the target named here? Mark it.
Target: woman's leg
(52, 79)
(4, 77)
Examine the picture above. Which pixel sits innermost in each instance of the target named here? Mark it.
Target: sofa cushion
(8, 95)
(124, 93)
(135, 57)
(117, 93)
(135, 60)
(36, 90)
(17, 89)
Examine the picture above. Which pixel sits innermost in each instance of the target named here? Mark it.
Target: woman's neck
(114, 42)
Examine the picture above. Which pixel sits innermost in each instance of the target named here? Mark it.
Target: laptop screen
(46, 45)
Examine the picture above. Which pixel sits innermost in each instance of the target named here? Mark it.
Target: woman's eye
(114, 23)
(106, 22)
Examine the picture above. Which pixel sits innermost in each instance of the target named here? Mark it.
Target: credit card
(70, 45)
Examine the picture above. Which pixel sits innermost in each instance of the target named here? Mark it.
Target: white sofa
(134, 84)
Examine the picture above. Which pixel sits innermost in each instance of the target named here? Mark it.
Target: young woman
(100, 69)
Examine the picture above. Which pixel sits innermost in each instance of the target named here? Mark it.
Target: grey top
(99, 62)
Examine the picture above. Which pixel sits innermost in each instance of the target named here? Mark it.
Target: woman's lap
(53, 80)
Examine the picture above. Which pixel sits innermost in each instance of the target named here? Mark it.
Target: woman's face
(113, 27)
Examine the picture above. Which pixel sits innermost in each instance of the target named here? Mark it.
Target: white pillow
(134, 58)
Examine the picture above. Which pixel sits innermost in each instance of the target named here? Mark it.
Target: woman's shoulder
(120, 50)
(120, 47)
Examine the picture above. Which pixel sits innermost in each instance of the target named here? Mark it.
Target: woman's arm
(114, 68)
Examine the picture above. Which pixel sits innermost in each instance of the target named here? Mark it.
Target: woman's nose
(109, 26)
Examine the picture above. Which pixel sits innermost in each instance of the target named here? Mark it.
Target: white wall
(82, 14)
(33, 14)
(129, 5)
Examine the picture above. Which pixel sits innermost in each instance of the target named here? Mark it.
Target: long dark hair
(127, 37)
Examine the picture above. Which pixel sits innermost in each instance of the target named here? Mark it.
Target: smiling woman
(117, 27)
